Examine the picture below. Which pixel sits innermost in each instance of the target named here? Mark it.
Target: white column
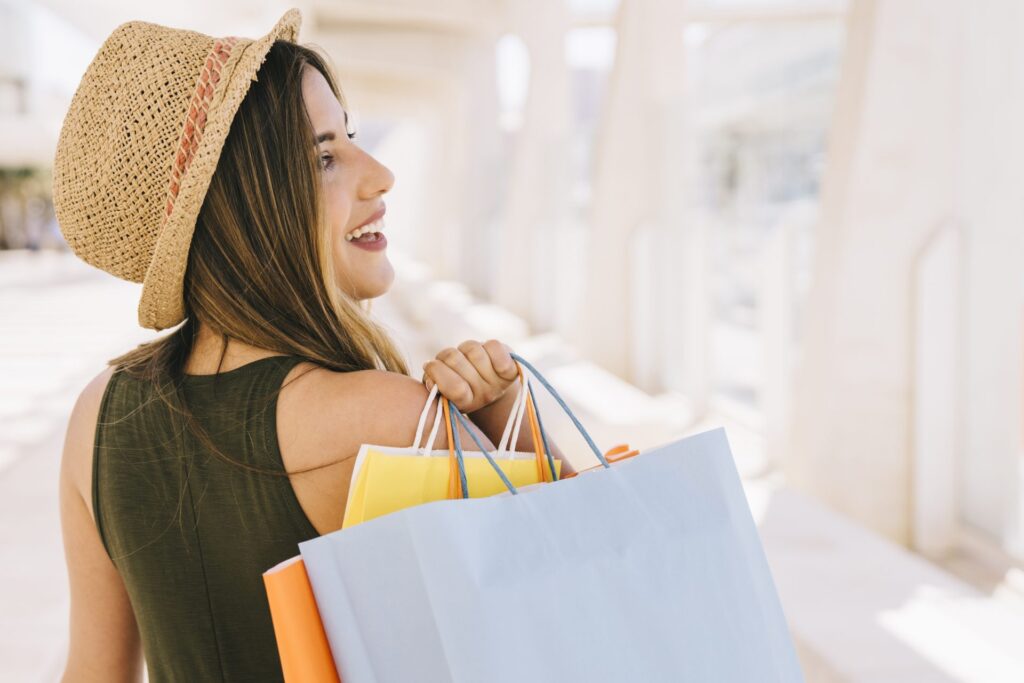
(991, 161)
(924, 133)
(476, 188)
(637, 175)
(537, 202)
(936, 439)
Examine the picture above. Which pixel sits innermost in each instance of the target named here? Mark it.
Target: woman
(195, 462)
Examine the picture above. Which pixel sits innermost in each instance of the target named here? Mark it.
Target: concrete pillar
(537, 205)
(637, 175)
(476, 188)
(991, 166)
(923, 135)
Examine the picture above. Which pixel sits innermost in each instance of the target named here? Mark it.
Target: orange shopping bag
(301, 640)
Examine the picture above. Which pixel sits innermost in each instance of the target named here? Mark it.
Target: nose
(376, 179)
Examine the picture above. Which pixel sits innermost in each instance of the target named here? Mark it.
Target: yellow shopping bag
(386, 479)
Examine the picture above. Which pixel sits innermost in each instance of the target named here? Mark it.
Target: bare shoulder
(76, 463)
(332, 413)
(324, 417)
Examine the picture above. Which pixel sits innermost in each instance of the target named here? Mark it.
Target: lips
(376, 216)
(374, 224)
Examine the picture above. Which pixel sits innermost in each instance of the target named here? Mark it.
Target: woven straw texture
(139, 144)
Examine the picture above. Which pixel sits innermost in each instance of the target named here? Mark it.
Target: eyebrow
(329, 135)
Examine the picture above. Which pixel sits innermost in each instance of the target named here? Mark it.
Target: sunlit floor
(860, 608)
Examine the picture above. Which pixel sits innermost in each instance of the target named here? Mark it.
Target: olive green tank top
(190, 534)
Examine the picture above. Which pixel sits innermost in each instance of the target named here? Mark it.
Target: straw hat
(139, 145)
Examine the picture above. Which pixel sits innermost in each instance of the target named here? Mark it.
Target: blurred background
(799, 219)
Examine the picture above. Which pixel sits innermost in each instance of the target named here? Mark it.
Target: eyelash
(327, 158)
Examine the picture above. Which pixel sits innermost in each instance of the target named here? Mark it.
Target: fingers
(481, 393)
(485, 371)
(501, 359)
(480, 359)
(450, 384)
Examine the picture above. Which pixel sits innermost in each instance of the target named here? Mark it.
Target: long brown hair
(260, 266)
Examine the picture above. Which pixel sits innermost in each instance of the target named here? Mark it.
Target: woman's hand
(473, 375)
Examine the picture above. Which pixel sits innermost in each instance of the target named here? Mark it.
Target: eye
(326, 161)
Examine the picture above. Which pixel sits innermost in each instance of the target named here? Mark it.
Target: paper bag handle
(429, 446)
(454, 414)
(458, 486)
(512, 426)
(453, 435)
(561, 402)
(515, 417)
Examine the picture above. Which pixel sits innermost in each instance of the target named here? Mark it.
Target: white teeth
(376, 226)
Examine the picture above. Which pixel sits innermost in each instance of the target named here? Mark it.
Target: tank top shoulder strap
(262, 371)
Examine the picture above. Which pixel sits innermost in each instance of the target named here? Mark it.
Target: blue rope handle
(454, 413)
(575, 421)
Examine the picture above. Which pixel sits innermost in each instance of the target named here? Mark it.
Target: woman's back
(191, 534)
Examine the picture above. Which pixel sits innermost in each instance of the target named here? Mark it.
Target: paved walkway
(861, 608)
(59, 321)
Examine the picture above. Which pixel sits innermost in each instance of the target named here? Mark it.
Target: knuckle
(468, 345)
(446, 352)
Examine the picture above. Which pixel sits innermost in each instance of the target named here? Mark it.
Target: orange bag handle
(543, 473)
(541, 457)
(454, 480)
(614, 454)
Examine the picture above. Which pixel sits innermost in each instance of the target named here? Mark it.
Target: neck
(205, 354)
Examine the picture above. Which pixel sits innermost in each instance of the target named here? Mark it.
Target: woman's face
(353, 183)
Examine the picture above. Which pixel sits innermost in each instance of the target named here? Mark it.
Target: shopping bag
(385, 479)
(301, 641)
(302, 644)
(650, 569)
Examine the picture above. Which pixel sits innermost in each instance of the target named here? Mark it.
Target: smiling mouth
(373, 228)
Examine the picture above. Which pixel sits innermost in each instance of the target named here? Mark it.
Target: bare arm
(104, 638)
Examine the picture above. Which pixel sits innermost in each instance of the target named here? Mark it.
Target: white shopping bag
(648, 570)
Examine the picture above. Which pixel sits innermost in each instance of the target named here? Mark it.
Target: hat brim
(162, 303)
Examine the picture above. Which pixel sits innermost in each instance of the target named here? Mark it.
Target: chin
(376, 293)
(368, 290)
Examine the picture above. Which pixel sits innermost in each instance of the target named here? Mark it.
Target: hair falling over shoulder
(259, 266)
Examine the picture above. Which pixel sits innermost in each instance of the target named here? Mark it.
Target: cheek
(338, 209)
(338, 213)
